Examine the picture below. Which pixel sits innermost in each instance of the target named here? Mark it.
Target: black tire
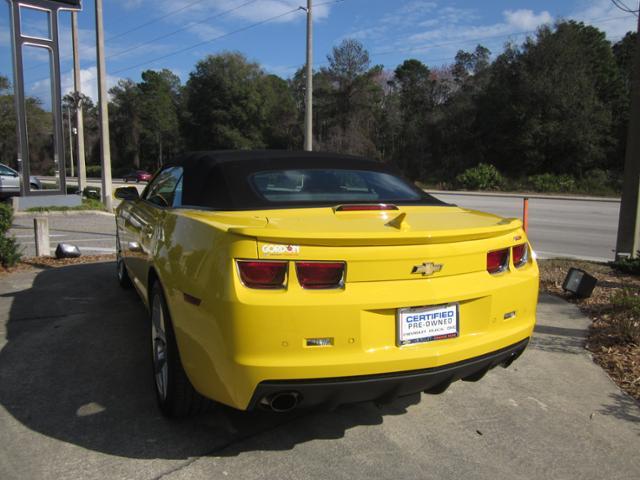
(121, 270)
(177, 398)
(34, 186)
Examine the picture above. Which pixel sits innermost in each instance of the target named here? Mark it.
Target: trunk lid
(406, 226)
(378, 246)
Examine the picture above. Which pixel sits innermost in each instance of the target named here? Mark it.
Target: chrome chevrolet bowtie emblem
(427, 268)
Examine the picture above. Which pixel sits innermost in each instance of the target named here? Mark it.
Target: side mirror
(127, 193)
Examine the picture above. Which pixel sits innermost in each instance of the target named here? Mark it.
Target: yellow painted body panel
(238, 337)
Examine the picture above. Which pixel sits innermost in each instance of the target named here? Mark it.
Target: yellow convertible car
(279, 280)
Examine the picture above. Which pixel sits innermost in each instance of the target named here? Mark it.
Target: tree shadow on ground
(623, 407)
(76, 368)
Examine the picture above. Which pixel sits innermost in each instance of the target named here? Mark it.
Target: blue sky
(392, 31)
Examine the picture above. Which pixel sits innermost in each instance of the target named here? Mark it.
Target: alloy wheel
(159, 347)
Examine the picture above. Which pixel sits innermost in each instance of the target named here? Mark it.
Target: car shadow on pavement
(76, 367)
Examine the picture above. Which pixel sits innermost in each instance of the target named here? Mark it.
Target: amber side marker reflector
(191, 299)
(365, 207)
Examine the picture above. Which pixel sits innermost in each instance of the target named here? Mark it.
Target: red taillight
(255, 274)
(498, 261)
(365, 207)
(318, 275)
(520, 255)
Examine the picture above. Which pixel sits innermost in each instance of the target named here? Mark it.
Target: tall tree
(350, 95)
(125, 123)
(549, 105)
(224, 104)
(415, 89)
(7, 124)
(159, 103)
(280, 128)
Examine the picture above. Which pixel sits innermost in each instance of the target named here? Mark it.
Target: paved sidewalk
(77, 402)
(93, 232)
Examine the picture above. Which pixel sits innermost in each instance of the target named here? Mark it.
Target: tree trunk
(160, 159)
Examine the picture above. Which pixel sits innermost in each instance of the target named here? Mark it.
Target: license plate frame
(429, 334)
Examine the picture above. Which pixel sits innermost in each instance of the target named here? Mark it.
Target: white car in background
(10, 182)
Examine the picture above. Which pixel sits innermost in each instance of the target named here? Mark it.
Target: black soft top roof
(220, 179)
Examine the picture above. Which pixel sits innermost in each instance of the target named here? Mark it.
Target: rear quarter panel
(194, 258)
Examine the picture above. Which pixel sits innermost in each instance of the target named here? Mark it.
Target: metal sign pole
(20, 39)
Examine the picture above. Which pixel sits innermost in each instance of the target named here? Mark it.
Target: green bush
(548, 182)
(482, 177)
(6, 218)
(94, 171)
(626, 318)
(9, 249)
(598, 182)
(92, 192)
(628, 265)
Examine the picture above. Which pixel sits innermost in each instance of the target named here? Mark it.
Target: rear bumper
(385, 387)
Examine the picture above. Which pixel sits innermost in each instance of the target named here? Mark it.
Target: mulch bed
(618, 355)
(30, 263)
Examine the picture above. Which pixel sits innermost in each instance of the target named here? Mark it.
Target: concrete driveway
(77, 402)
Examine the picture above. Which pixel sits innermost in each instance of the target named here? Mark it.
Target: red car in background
(137, 176)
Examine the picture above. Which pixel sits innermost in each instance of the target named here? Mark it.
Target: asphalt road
(558, 228)
(77, 403)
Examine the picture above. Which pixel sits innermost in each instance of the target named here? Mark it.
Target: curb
(534, 196)
(69, 213)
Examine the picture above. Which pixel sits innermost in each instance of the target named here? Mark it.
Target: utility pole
(308, 114)
(105, 148)
(70, 139)
(628, 242)
(77, 89)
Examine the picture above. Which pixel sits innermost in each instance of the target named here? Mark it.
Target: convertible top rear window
(332, 185)
(262, 180)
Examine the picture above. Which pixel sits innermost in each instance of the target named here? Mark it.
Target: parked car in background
(10, 182)
(277, 280)
(137, 176)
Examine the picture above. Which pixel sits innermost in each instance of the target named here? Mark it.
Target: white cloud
(283, 71)
(417, 6)
(458, 28)
(88, 82)
(526, 19)
(254, 12)
(205, 31)
(604, 15)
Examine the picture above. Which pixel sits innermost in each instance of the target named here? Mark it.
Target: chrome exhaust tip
(281, 402)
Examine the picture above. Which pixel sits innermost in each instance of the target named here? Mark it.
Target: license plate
(426, 324)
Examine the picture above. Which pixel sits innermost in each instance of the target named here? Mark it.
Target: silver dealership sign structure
(21, 37)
